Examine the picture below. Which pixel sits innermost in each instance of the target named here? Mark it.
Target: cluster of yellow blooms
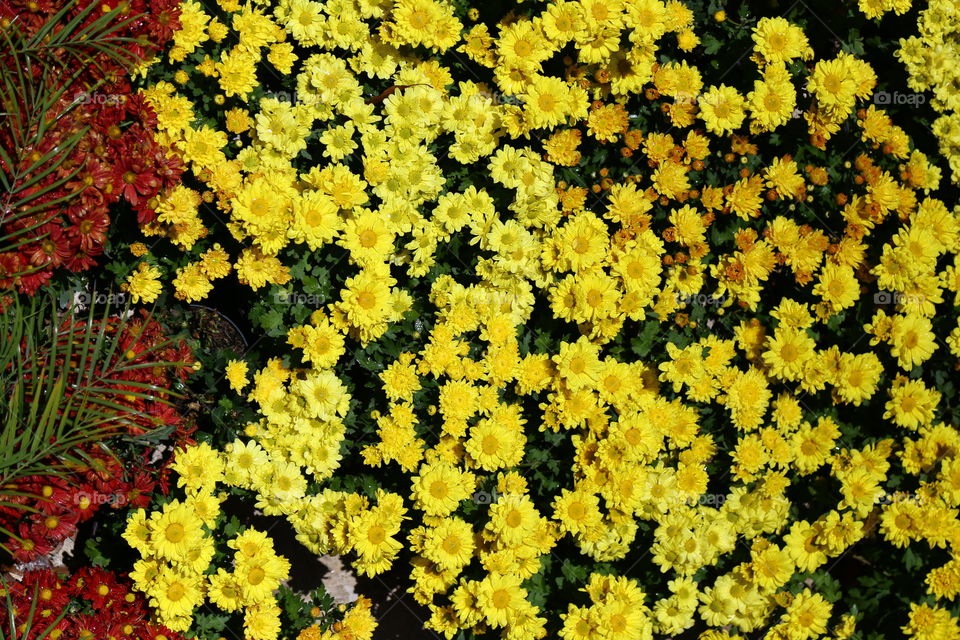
(877, 8)
(177, 548)
(639, 455)
(931, 59)
(358, 624)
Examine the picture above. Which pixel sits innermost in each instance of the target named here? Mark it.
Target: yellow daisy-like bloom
(175, 594)
(215, 262)
(788, 350)
(912, 340)
(137, 532)
(912, 404)
(495, 446)
(807, 615)
(578, 363)
(578, 512)
(143, 284)
(857, 377)
(439, 488)
(513, 518)
(771, 104)
(833, 83)
(449, 544)
(366, 300)
(367, 238)
(174, 531)
(236, 374)
(371, 535)
(202, 146)
(260, 575)
(779, 41)
(236, 72)
(256, 269)
(224, 591)
(721, 109)
(199, 467)
(837, 286)
(499, 598)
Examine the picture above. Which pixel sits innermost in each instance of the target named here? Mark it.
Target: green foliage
(39, 72)
(60, 375)
(28, 626)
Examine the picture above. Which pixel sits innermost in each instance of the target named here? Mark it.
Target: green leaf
(51, 411)
(711, 45)
(642, 344)
(206, 621)
(574, 573)
(92, 550)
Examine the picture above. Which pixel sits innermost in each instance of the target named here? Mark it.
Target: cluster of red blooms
(97, 602)
(52, 507)
(116, 158)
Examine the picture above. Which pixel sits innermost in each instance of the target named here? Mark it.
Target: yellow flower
(500, 598)
(837, 286)
(191, 283)
(143, 284)
(256, 269)
(788, 350)
(578, 512)
(807, 615)
(236, 373)
(449, 544)
(721, 109)
(438, 488)
(215, 262)
(199, 467)
(176, 594)
(779, 41)
(174, 531)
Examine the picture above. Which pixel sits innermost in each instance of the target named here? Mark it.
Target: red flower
(95, 176)
(52, 249)
(139, 492)
(169, 167)
(91, 231)
(51, 592)
(163, 19)
(11, 264)
(30, 282)
(154, 631)
(54, 525)
(88, 626)
(138, 181)
(28, 548)
(140, 110)
(98, 586)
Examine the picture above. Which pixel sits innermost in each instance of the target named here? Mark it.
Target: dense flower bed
(56, 504)
(611, 319)
(92, 603)
(93, 145)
